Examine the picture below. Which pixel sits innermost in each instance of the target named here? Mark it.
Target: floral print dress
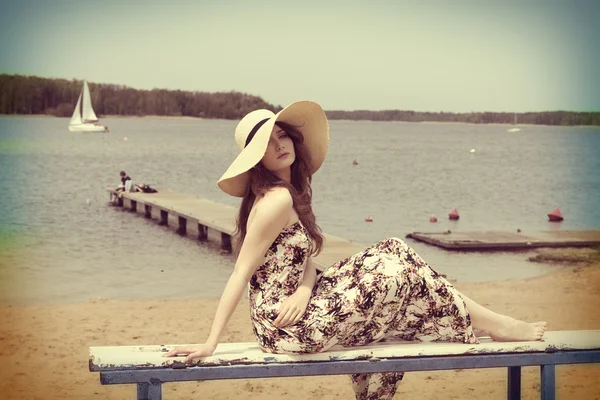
(385, 291)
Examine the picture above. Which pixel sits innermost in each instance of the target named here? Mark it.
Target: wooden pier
(212, 221)
(480, 241)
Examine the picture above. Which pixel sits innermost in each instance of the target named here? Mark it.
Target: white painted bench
(146, 366)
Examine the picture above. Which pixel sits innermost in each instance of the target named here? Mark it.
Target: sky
(453, 56)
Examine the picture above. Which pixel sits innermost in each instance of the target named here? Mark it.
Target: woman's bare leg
(501, 327)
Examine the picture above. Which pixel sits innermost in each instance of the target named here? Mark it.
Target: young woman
(383, 292)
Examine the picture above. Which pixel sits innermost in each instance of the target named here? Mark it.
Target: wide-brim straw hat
(252, 136)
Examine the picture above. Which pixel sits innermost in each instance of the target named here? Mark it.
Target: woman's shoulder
(274, 205)
(277, 197)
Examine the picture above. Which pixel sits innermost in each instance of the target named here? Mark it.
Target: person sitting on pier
(145, 188)
(124, 179)
(385, 291)
(125, 186)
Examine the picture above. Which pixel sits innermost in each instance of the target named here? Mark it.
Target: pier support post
(147, 211)
(182, 229)
(225, 243)
(164, 218)
(202, 233)
(133, 205)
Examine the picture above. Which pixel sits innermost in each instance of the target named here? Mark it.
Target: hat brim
(307, 116)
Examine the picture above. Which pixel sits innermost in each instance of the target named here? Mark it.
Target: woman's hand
(192, 352)
(292, 309)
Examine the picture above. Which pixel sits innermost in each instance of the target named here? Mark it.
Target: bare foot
(519, 331)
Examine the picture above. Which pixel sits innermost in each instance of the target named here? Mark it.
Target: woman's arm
(309, 278)
(294, 307)
(272, 215)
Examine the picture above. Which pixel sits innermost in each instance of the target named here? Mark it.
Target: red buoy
(433, 219)
(354, 162)
(555, 216)
(369, 219)
(453, 214)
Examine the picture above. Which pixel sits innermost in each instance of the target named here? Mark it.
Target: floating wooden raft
(508, 240)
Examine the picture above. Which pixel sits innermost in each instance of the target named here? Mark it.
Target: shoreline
(344, 120)
(176, 117)
(46, 346)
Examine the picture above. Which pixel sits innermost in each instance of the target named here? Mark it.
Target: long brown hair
(261, 180)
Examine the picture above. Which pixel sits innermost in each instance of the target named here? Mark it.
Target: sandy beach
(45, 347)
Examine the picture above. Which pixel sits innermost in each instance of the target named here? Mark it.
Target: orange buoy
(453, 214)
(555, 216)
(354, 162)
(369, 219)
(433, 219)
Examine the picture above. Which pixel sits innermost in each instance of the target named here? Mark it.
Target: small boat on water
(515, 129)
(453, 215)
(555, 216)
(84, 118)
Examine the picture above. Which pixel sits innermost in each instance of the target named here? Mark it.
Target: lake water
(61, 242)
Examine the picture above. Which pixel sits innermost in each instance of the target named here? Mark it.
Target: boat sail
(84, 118)
(515, 129)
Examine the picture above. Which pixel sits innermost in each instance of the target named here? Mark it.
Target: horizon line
(331, 110)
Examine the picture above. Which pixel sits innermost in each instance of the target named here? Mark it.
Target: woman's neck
(285, 175)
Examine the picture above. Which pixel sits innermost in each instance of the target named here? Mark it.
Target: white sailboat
(515, 123)
(84, 118)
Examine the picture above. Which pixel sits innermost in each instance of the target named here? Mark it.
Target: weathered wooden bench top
(228, 354)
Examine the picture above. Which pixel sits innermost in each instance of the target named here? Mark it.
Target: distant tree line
(541, 118)
(34, 95)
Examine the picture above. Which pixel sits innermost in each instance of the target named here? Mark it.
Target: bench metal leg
(548, 384)
(514, 383)
(149, 391)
